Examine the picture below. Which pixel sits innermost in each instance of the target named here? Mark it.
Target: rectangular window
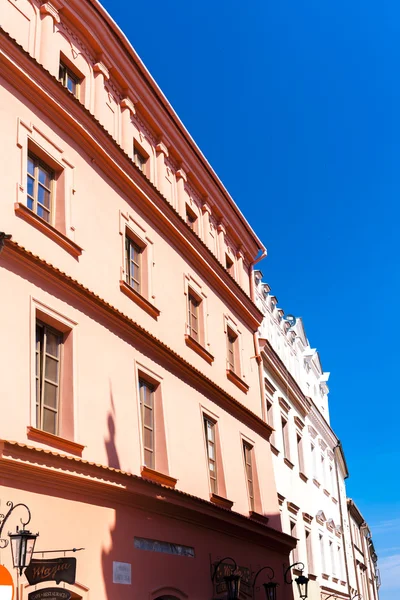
(133, 264)
(333, 481)
(194, 316)
(139, 158)
(191, 218)
(285, 438)
(322, 552)
(270, 419)
(309, 551)
(232, 340)
(300, 452)
(69, 79)
(323, 474)
(40, 182)
(248, 452)
(293, 533)
(313, 461)
(146, 395)
(48, 368)
(209, 428)
(332, 557)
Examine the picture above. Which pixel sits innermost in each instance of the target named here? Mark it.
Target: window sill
(139, 300)
(288, 463)
(342, 582)
(334, 500)
(317, 483)
(312, 576)
(157, 477)
(194, 345)
(325, 576)
(326, 493)
(255, 516)
(335, 579)
(54, 234)
(303, 477)
(220, 501)
(274, 450)
(231, 375)
(37, 435)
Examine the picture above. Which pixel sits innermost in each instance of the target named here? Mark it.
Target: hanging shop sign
(6, 584)
(50, 594)
(53, 569)
(225, 569)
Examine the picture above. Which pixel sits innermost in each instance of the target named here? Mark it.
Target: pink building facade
(133, 421)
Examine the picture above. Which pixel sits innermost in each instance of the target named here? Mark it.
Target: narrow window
(48, 363)
(193, 316)
(247, 452)
(300, 452)
(285, 438)
(293, 533)
(332, 556)
(191, 218)
(139, 158)
(322, 552)
(209, 428)
(231, 349)
(146, 394)
(323, 474)
(40, 180)
(133, 264)
(270, 419)
(229, 265)
(309, 551)
(333, 481)
(68, 79)
(313, 460)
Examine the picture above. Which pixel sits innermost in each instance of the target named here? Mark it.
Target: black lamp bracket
(4, 518)
(301, 568)
(216, 565)
(270, 577)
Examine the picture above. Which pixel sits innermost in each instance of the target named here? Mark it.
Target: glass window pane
(71, 84)
(43, 196)
(43, 213)
(50, 395)
(51, 372)
(44, 177)
(211, 451)
(52, 344)
(149, 459)
(31, 166)
(148, 417)
(49, 421)
(30, 185)
(148, 438)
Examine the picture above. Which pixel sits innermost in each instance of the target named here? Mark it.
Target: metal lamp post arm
(291, 567)
(4, 518)
(330, 596)
(259, 571)
(220, 562)
(356, 596)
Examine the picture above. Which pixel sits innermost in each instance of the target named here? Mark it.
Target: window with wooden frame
(191, 219)
(248, 464)
(209, 429)
(194, 321)
(146, 398)
(232, 350)
(48, 373)
(40, 188)
(139, 157)
(69, 79)
(133, 264)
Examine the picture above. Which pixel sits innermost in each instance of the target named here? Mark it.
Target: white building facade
(309, 464)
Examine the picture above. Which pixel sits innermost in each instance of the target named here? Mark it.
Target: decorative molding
(293, 508)
(269, 387)
(274, 449)
(303, 476)
(323, 444)
(100, 67)
(158, 477)
(162, 148)
(49, 9)
(307, 518)
(288, 463)
(316, 482)
(127, 103)
(255, 516)
(220, 501)
(284, 405)
(51, 232)
(238, 381)
(139, 299)
(43, 437)
(326, 492)
(201, 351)
(312, 432)
(330, 524)
(180, 174)
(281, 499)
(320, 517)
(299, 422)
(77, 40)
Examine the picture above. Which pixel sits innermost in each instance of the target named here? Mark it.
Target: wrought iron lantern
(22, 541)
(270, 586)
(301, 581)
(232, 581)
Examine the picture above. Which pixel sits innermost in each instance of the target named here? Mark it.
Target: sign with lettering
(52, 569)
(6, 584)
(121, 573)
(225, 569)
(50, 594)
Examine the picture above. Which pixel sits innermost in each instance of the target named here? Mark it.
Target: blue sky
(297, 107)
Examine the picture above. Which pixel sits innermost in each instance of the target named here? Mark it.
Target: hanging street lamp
(22, 541)
(301, 581)
(232, 581)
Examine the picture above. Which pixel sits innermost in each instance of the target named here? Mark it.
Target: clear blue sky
(297, 107)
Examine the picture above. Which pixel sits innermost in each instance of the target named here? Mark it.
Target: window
(332, 556)
(313, 460)
(300, 452)
(285, 438)
(209, 428)
(194, 316)
(270, 414)
(322, 552)
(293, 533)
(230, 267)
(333, 480)
(309, 551)
(248, 452)
(146, 395)
(47, 372)
(191, 218)
(232, 340)
(40, 181)
(139, 158)
(323, 473)
(69, 79)
(133, 264)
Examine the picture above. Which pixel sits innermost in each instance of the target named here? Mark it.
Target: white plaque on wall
(122, 573)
